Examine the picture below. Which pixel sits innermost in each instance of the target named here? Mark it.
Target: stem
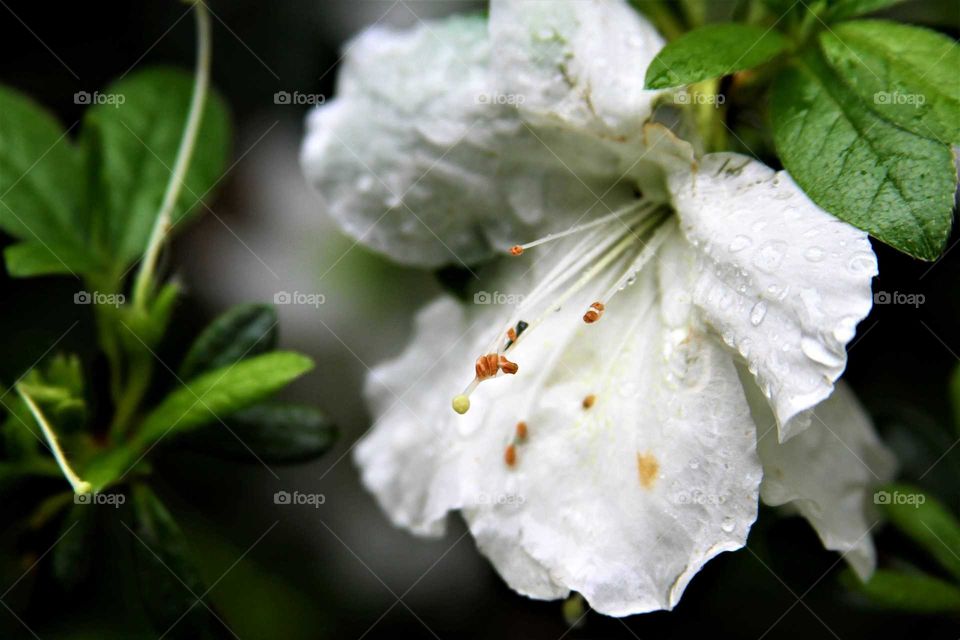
(162, 224)
(79, 485)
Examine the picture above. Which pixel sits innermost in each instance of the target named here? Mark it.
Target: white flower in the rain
(682, 327)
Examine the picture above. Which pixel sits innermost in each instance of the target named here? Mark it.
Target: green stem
(129, 401)
(163, 222)
(79, 485)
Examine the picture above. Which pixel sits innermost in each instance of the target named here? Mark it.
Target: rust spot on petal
(589, 401)
(647, 466)
(521, 431)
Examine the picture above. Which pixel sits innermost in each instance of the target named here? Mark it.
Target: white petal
(406, 155)
(827, 472)
(782, 281)
(576, 64)
(622, 502)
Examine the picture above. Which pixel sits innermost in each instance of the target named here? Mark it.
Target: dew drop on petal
(814, 254)
(758, 312)
(816, 351)
(740, 243)
(728, 525)
(862, 262)
(769, 255)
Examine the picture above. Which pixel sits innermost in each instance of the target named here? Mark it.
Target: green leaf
(913, 592)
(843, 9)
(41, 185)
(712, 51)
(72, 556)
(201, 401)
(889, 182)
(273, 433)
(243, 331)
(221, 392)
(133, 141)
(169, 582)
(36, 258)
(925, 520)
(908, 75)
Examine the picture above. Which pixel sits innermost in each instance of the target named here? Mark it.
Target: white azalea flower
(619, 425)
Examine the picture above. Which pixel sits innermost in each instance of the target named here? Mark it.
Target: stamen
(508, 367)
(521, 431)
(594, 312)
(486, 366)
(510, 455)
(656, 239)
(630, 210)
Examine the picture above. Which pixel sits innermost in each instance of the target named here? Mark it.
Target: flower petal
(622, 501)
(576, 64)
(781, 280)
(827, 472)
(406, 156)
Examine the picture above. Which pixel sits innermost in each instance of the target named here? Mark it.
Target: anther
(510, 455)
(521, 431)
(594, 312)
(516, 250)
(508, 367)
(486, 366)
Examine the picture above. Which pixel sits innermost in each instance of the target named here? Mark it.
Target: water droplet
(365, 183)
(694, 463)
(769, 256)
(863, 262)
(740, 243)
(814, 254)
(757, 313)
(728, 525)
(818, 352)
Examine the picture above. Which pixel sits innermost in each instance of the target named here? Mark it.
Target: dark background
(341, 571)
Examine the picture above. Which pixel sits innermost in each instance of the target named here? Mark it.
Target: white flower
(627, 450)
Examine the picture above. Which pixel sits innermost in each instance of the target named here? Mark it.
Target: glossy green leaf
(221, 392)
(243, 331)
(712, 51)
(272, 433)
(894, 184)
(908, 75)
(170, 584)
(132, 141)
(925, 520)
(913, 592)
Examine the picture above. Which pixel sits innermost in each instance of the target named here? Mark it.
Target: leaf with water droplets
(891, 183)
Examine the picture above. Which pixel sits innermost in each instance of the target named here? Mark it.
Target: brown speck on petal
(589, 401)
(647, 466)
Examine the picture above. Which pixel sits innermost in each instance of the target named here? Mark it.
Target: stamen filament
(633, 207)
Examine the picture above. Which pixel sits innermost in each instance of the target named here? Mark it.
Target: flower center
(626, 239)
